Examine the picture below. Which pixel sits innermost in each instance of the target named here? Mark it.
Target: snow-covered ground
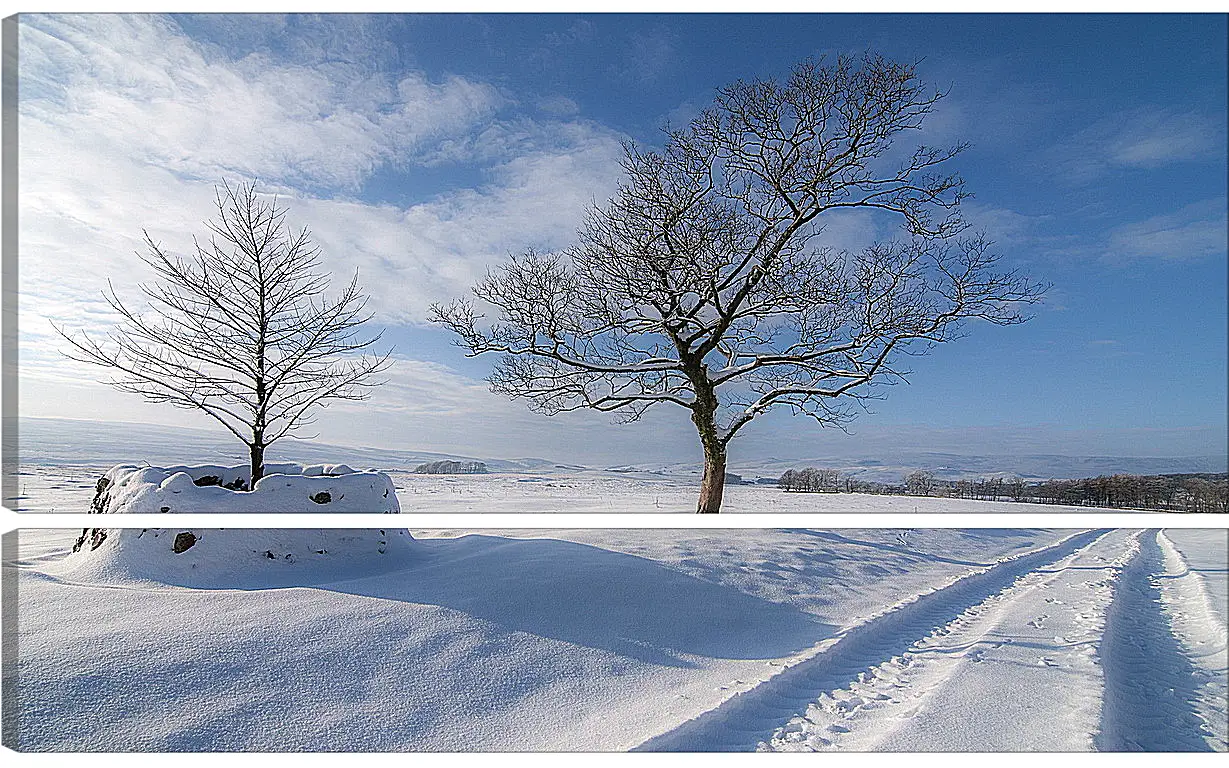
(560, 490)
(653, 639)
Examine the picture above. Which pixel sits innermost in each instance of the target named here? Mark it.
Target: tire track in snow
(1204, 638)
(1152, 687)
(743, 721)
(1015, 672)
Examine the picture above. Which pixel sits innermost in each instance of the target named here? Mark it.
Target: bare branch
(241, 328)
(704, 281)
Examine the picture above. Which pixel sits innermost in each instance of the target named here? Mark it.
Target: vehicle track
(1015, 672)
(1201, 628)
(1152, 687)
(744, 721)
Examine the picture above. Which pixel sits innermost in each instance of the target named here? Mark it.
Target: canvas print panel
(611, 640)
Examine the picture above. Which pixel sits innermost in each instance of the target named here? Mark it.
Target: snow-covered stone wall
(215, 489)
(238, 556)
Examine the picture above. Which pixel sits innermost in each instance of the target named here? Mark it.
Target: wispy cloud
(138, 87)
(1142, 138)
(128, 124)
(650, 55)
(1197, 231)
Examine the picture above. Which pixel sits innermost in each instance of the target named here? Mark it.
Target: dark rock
(207, 480)
(183, 542)
(102, 499)
(95, 536)
(321, 498)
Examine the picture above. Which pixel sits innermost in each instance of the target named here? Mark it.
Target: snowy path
(1105, 641)
(1024, 661)
(845, 662)
(1164, 659)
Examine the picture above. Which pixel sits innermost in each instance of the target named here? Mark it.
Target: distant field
(70, 489)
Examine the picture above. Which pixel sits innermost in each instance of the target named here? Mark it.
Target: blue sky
(423, 149)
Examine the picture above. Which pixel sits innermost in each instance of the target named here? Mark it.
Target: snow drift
(289, 488)
(239, 557)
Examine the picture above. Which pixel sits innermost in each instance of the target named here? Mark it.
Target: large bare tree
(705, 281)
(241, 329)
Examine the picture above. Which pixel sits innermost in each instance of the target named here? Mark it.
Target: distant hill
(95, 443)
(71, 441)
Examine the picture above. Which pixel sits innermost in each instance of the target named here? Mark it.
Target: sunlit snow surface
(70, 489)
(622, 639)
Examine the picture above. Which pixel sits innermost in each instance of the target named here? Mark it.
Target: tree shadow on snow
(593, 597)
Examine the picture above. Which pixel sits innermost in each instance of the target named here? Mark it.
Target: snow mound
(238, 557)
(208, 488)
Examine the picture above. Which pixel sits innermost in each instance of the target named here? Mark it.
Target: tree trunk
(713, 484)
(258, 463)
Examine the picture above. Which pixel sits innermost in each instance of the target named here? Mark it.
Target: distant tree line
(449, 467)
(815, 480)
(1202, 492)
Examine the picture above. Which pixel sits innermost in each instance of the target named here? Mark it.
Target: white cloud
(1197, 231)
(558, 105)
(1143, 138)
(1004, 225)
(126, 125)
(649, 55)
(137, 86)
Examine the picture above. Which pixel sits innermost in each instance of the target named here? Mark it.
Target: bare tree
(241, 329)
(703, 282)
(920, 483)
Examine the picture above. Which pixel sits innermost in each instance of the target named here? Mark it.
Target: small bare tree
(702, 282)
(919, 483)
(241, 329)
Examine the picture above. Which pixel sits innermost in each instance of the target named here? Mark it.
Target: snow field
(788, 640)
(605, 492)
(538, 640)
(562, 491)
(1206, 554)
